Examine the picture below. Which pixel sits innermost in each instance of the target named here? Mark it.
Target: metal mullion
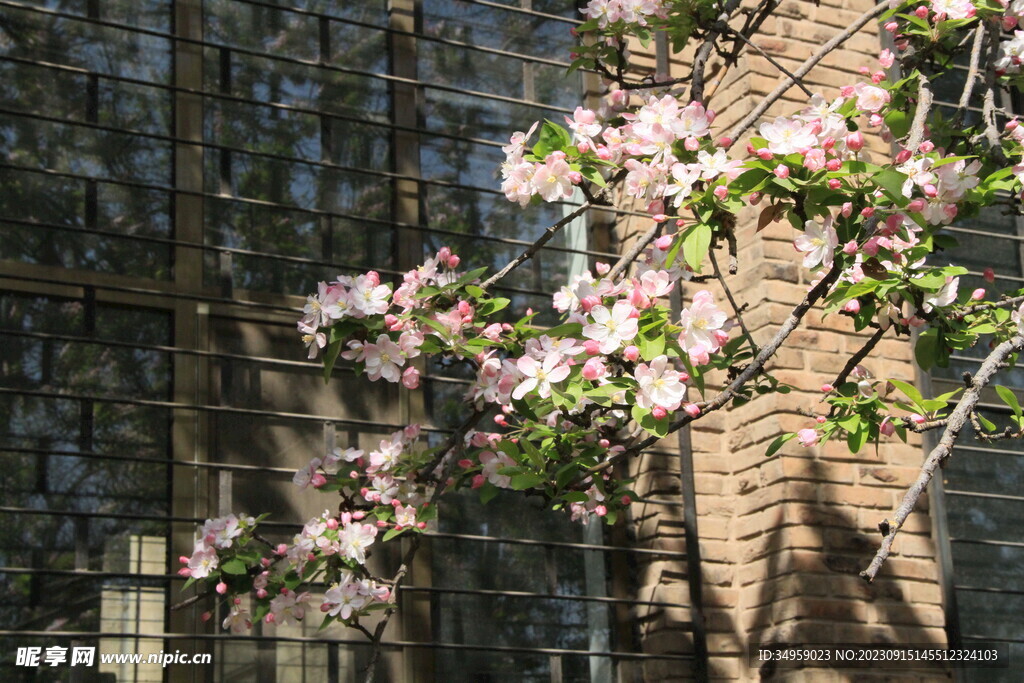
(991, 496)
(523, 10)
(319, 640)
(986, 589)
(297, 61)
(162, 294)
(49, 512)
(540, 596)
(241, 200)
(92, 455)
(206, 408)
(413, 34)
(237, 99)
(984, 541)
(260, 360)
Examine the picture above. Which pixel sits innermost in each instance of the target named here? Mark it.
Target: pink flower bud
(421, 525)
(903, 156)
(807, 437)
(206, 616)
(930, 190)
(592, 347)
(600, 511)
(827, 388)
(575, 177)
(454, 261)
(222, 588)
(782, 171)
(926, 146)
(850, 247)
(821, 419)
(833, 165)
(265, 561)
(754, 198)
(864, 70)
(500, 420)
(411, 378)
(588, 302)
(317, 480)
(978, 294)
(185, 571)
(659, 413)
(691, 409)
(834, 183)
(852, 306)
(237, 601)
(444, 253)
(184, 559)
(699, 355)
(331, 523)
(887, 428)
(855, 141)
(891, 26)
(664, 243)
(659, 218)
(603, 153)
(373, 277)
(691, 144)
(583, 148)
(594, 369)
(867, 211)
(478, 481)
(261, 593)
(918, 419)
(765, 154)
(270, 618)
(847, 209)
(604, 443)
(724, 141)
(602, 268)
(720, 192)
(989, 275)
(631, 353)
(921, 12)
(282, 549)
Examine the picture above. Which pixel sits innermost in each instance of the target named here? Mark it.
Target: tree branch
(924, 107)
(972, 75)
(750, 119)
(749, 372)
(732, 301)
(856, 358)
(942, 450)
(771, 60)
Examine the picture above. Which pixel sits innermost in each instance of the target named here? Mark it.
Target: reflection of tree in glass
(291, 137)
(70, 483)
(94, 152)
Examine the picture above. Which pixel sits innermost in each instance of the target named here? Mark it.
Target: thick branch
(942, 450)
(378, 633)
(700, 60)
(750, 119)
(924, 107)
(972, 75)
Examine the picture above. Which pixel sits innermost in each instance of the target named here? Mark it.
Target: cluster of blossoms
(608, 12)
(663, 146)
(216, 534)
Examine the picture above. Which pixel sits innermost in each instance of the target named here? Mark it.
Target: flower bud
(411, 378)
(855, 141)
(691, 144)
(659, 413)
(222, 588)
(989, 275)
(891, 26)
(691, 409)
(833, 165)
(631, 353)
(852, 306)
(724, 142)
(721, 192)
(592, 347)
(453, 261)
(782, 171)
(978, 294)
(765, 154)
(664, 243)
(834, 183)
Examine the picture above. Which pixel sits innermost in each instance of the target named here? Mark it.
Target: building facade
(176, 174)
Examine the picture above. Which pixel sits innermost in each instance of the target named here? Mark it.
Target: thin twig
(535, 247)
(700, 60)
(771, 60)
(378, 632)
(732, 301)
(976, 308)
(943, 448)
(750, 119)
(856, 358)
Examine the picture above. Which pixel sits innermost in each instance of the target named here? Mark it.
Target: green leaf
(234, 566)
(696, 242)
(986, 423)
(926, 351)
(536, 459)
(1009, 398)
(856, 440)
(778, 443)
(527, 480)
(391, 533)
(331, 354)
(487, 492)
(891, 181)
(909, 390)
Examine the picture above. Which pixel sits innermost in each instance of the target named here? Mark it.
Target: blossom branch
(972, 75)
(856, 358)
(944, 448)
(737, 309)
(749, 372)
(812, 61)
(924, 107)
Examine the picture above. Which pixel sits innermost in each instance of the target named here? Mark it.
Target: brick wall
(782, 539)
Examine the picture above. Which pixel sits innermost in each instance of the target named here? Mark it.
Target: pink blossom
(807, 437)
